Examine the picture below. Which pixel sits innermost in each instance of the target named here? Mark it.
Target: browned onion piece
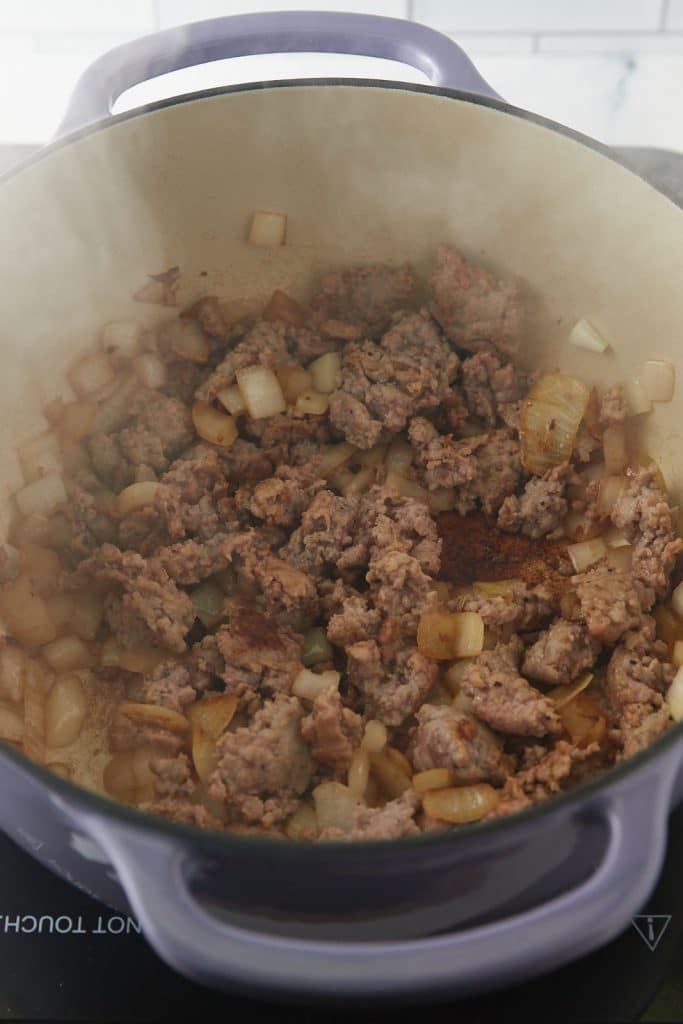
(551, 415)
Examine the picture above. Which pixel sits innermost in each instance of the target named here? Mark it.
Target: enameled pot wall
(365, 172)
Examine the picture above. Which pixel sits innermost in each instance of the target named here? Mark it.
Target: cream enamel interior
(364, 173)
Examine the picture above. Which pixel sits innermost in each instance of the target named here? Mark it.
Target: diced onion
(39, 456)
(406, 488)
(316, 647)
(186, 338)
(25, 614)
(561, 695)
(60, 609)
(261, 391)
(583, 720)
(610, 490)
(359, 773)
(614, 538)
(375, 736)
(294, 381)
(391, 778)
(113, 412)
(77, 419)
(324, 370)
(136, 496)
(86, 614)
(636, 397)
(658, 379)
(41, 565)
(358, 483)
(9, 559)
(203, 754)
(309, 685)
(66, 653)
(584, 335)
(213, 713)
(65, 710)
(121, 338)
(42, 496)
(614, 448)
(281, 306)
(140, 659)
(214, 426)
(551, 415)
(150, 370)
(302, 824)
(268, 229)
(208, 601)
(674, 696)
(399, 457)
(372, 456)
(496, 588)
(119, 778)
(461, 804)
(13, 668)
(452, 677)
(677, 653)
(443, 499)
(433, 778)
(35, 687)
(154, 715)
(446, 635)
(312, 403)
(677, 600)
(232, 400)
(11, 725)
(335, 806)
(586, 553)
(333, 457)
(669, 626)
(92, 375)
(439, 695)
(620, 558)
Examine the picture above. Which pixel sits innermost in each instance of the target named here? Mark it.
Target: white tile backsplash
(177, 12)
(605, 42)
(77, 15)
(674, 14)
(539, 15)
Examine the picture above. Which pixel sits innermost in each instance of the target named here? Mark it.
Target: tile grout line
(663, 15)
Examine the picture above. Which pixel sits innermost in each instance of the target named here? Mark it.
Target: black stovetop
(64, 957)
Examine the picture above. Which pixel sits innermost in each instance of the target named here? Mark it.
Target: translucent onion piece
(150, 370)
(433, 778)
(203, 754)
(186, 338)
(452, 677)
(25, 614)
(113, 412)
(66, 653)
(316, 647)
(584, 335)
(77, 419)
(42, 566)
(261, 391)
(669, 626)
(390, 777)
(281, 306)
(309, 685)
(11, 725)
(497, 588)
(208, 601)
(302, 824)
(312, 403)
(658, 379)
(324, 371)
(399, 457)
(36, 684)
(587, 553)
(41, 496)
(551, 415)
(92, 375)
(677, 600)
(583, 720)
(443, 499)
(87, 611)
(213, 713)
(268, 229)
(335, 806)
(333, 457)
(675, 696)
(119, 778)
(677, 654)
(375, 736)
(615, 450)
(136, 496)
(462, 804)
(373, 456)
(614, 538)
(610, 489)
(294, 381)
(354, 483)
(620, 558)
(231, 399)
(65, 710)
(154, 715)
(140, 659)
(121, 338)
(13, 668)
(446, 635)
(406, 488)
(359, 773)
(214, 426)
(39, 456)
(561, 695)
(161, 288)
(636, 397)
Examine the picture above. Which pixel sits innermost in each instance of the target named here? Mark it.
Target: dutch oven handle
(442, 60)
(156, 875)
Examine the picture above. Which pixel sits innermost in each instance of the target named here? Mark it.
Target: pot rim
(217, 841)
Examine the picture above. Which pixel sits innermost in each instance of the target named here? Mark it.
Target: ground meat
(445, 462)
(541, 510)
(384, 384)
(174, 685)
(447, 737)
(365, 297)
(498, 472)
(393, 691)
(90, 525)
(610, 603)
(387, 521)
(503, 699)
(265, 344)
(645, 516)
(326, 530)
(475, 311)
(613, 407)
(290, 438)
(331, 730)
(177, 794)
(399, 587)
(306, 344)
(637, 677)
(525, 609)
(252, 653)
(350, 618)
(281, 499)
(561, 653)
(193, 499)
(149, 594)
(490, 386)
(552, 773)
(395, 819)
(265, 767)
